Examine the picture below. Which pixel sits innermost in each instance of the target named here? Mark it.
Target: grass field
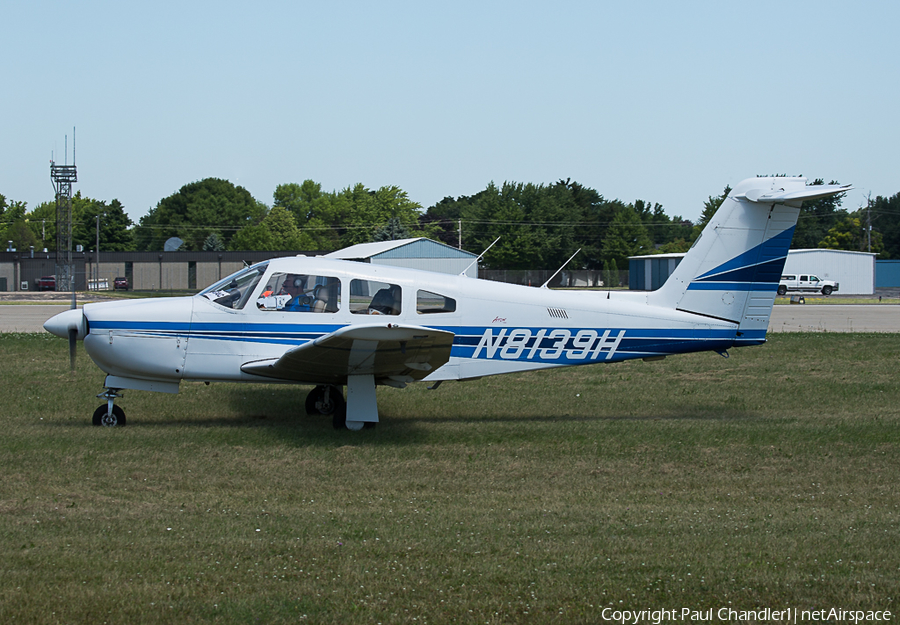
(769, 479)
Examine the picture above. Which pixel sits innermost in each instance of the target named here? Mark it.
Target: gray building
(192, 271)
(146, 271)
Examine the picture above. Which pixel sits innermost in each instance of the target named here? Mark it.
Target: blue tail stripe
(762, 263)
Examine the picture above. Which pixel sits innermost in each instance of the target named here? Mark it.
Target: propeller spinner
(71, 325)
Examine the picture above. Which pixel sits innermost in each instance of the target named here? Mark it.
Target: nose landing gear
(108, 414)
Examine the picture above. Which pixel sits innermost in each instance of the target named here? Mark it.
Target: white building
(853, 271)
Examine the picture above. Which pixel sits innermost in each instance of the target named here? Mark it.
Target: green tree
(116, 234)
(850, 233)
(597, 215)
(393, 230)
(816, 218)
(370, 211)
(662, 229)
(885, 215)
(21, 236)
(497, 213)
(710, 206)
(607, 274)
(276, 232)
(626, 237)
(197, 210)
(442, 220)
(678, 246)
(214, 243)
(11, 212)
(320, 217)
(42, 221)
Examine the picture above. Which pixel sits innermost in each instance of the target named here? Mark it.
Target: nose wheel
(108, 414)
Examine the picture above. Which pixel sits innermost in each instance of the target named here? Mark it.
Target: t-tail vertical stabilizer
(732, 271)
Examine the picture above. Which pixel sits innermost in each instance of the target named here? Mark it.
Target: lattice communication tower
(63, 177)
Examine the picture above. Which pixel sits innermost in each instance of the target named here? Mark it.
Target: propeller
(70, 324)
(73, 340)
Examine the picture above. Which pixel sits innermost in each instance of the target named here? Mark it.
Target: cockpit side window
(235, 290)
(429, 303)
(295, 292)
(370, 297)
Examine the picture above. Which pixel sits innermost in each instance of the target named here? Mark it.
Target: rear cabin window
(295, 292)
(788, 277)
(370, 297)
(428, 303)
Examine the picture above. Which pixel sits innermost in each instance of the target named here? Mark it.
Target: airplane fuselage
(497, 327)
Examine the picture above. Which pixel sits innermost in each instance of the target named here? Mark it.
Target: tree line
(539, 225)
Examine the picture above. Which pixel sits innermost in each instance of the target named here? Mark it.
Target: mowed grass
(769, 479)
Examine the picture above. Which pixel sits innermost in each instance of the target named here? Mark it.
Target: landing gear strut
(108, 414)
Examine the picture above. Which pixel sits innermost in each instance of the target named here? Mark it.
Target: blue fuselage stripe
(543, 345)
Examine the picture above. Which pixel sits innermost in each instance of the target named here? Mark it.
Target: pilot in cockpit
(295, 286)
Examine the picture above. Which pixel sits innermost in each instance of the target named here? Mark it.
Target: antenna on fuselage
(544, 286)
(479, 257)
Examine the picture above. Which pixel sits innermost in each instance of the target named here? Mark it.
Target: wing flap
(385, 351)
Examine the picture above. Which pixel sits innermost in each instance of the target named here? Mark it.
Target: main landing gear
(108, 414)
(328, 400)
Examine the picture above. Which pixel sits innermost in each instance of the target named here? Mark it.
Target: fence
(582, 278)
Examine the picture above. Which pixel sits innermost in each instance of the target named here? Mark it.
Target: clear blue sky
(662, 101)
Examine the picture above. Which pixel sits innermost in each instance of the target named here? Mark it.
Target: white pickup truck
(806, 282)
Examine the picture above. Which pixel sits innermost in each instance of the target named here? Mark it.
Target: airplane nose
(63, 322)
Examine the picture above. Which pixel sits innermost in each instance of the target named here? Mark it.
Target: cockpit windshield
(235, 290)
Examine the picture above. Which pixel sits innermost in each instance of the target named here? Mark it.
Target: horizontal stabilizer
(781, 196)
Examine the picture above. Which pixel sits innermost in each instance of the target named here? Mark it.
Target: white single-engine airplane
(334, 323)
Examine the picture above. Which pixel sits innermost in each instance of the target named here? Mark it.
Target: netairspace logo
(730, 615)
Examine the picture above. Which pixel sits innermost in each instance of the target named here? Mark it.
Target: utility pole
(869, 219)
(98, 252)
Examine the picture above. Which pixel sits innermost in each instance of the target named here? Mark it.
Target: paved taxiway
(835, 318)
(785, 318)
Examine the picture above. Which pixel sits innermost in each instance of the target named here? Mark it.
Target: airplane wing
(394, 354)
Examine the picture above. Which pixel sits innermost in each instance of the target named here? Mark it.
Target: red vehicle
(46, 283)
(120, 283)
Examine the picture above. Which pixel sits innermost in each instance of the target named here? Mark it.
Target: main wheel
(102, 416)
(316, 403)
(312, 399)
(826, 290)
